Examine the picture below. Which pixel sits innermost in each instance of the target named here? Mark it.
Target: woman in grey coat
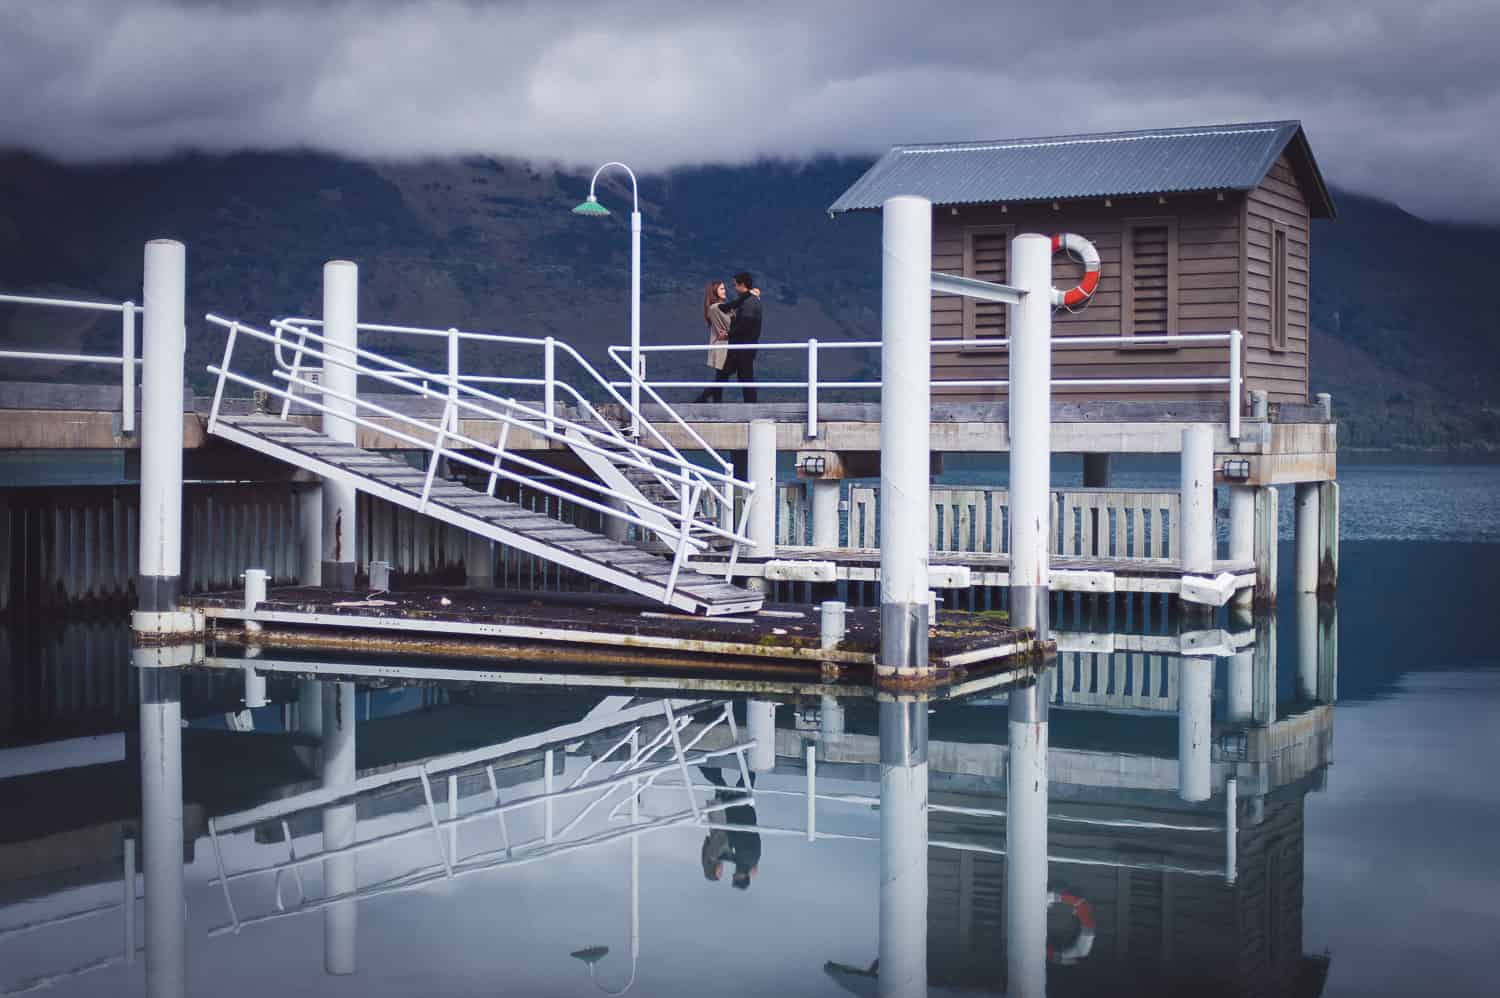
(718, 335)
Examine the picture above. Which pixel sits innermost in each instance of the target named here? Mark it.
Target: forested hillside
(1403, 336)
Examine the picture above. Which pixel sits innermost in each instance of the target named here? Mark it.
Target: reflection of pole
(1026, 844)
(161, 839)
(1265, 668)
(903, 849)
(760, 719)
(1307, 645)
(1195, 691)
(1239, 705)
(340, 875)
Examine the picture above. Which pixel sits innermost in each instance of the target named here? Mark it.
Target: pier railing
(813, 351)
(685, 527)
(1107, 523)
(126, 360)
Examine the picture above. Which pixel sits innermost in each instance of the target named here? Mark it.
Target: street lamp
(594, 208)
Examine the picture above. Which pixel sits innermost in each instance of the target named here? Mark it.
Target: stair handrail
(646, 454)
(224, 372)
(549, 384)
(567, 348)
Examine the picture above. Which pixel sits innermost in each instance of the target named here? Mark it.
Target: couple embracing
(732, 324)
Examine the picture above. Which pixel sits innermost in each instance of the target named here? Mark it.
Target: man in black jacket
(744, 328)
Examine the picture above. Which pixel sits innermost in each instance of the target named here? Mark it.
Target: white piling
(309, 499)
(905, 444)
(1030, 430)
(1027, 793)
(1306, 537)
(1196, 535)
(255, 594)
(903, 850)
(762, 467)
(1195, 688)
(1242, 535)
(161, 820)
(830, 717)
(159, 583)
(825, 513)
(340, 326)
(760, 721)
(831, 623)
(340, 873)
(380, 576)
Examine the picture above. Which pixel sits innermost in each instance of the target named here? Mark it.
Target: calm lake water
(1362, 740)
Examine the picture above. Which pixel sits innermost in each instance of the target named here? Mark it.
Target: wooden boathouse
(1199, 230)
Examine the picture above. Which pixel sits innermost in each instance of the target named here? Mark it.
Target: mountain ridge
(1400, 336)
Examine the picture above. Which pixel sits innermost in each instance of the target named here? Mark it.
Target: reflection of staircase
(596, 556)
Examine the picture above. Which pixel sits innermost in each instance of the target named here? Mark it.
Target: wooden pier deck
(600, 631)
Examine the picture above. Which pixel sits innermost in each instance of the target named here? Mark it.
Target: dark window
(1149, 277)
(1278, 290)
(986, 258)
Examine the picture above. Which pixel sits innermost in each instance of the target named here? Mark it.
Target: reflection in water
(162, 832)
(903, 849)
(1116, 837)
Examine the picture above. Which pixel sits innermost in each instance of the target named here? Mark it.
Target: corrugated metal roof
(1112, 164)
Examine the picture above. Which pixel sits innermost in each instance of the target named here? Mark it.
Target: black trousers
(736, 362)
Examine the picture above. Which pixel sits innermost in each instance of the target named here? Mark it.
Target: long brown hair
(710, 299)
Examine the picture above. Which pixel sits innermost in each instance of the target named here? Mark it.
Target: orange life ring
(1084, 289)
(1083, 943)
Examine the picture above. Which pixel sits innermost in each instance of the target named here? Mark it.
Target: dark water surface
(1362, 740)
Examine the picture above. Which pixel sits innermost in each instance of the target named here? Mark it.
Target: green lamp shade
(591, 207)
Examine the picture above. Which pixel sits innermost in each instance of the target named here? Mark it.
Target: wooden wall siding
(1150, 269)
(987, 257)
(1277, 204)
(1207, 295)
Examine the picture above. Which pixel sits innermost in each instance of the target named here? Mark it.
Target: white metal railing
(126, 360)
(635, 758)
(551, 386)
(446, 440)
(812, 384)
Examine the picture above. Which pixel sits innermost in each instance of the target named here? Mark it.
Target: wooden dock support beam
(1328, 537)
(1267, 536)
(1306, 528)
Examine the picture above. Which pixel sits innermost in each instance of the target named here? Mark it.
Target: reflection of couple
(740, 848)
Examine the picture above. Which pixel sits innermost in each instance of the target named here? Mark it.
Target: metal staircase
(676, 502)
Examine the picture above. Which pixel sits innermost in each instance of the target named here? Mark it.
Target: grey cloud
(1395, 96)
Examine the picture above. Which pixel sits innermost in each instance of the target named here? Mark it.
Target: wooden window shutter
(986, 258)
(1148, 275)
(1278, 290)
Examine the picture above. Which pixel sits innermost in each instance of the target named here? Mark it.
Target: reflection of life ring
(1084, 941)
(1085, 251)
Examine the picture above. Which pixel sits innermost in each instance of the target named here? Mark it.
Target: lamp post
(593, 207)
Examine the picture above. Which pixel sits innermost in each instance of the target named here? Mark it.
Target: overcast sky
(1400, 99)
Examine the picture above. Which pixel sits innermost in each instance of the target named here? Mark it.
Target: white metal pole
(1195, 688)
(760, 721)
(905, 441)
(161, 819)
(1030, 430)
(549, 377)
(635, 319)
(1235, 339)
(825, 512)
(340, 873)
(340, 326)
(903, 850)
(812, 388)
(127, 368)
(1027, 794)
(1306, 537)
(158, 586)
(762, 467)
(1196, 535)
